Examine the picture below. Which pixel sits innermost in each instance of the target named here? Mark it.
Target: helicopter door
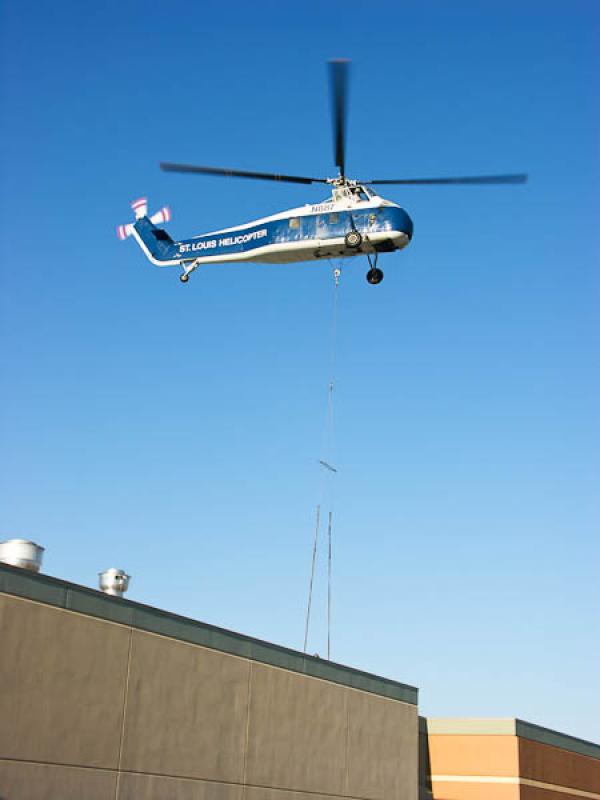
(330, 225)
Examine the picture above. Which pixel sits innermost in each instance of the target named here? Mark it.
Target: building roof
(509, 727)
(93, 603)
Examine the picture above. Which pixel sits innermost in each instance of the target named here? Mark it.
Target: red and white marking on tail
(140, 209)
(164, 215)
(123, 231)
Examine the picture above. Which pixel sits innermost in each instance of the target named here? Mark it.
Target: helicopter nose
(403, 223)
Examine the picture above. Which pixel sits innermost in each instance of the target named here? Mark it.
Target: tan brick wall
(465, 754)
(503, 756)
(474, 791)
(535, 793)
(542, 762)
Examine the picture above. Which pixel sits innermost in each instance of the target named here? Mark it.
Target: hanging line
(328, 471)
(329, 588)
(330, 442)
(329, 438)
(312, 576)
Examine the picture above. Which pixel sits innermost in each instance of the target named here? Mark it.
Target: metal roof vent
(113, 581)
(22, 553)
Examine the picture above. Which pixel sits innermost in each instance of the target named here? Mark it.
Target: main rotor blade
(338, 79)
(238, 173)
(518, 178)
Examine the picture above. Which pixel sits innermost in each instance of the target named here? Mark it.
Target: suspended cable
(327, 473)
(329, 588)
(312, 576)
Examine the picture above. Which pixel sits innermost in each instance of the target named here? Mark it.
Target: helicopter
(353, 221)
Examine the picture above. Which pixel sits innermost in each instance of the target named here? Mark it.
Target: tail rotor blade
(140, 207)
(123, 231)
(338, 80)
(164, 215)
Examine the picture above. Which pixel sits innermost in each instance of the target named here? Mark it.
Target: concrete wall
(97, 710)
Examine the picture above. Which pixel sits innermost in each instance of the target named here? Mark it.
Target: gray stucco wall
(95, 709)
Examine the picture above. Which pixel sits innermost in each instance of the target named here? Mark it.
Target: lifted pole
(312, 576)
(329, 589)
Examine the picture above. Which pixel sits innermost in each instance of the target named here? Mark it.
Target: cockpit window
(358, 192)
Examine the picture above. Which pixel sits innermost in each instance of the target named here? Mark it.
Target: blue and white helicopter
(353, 221)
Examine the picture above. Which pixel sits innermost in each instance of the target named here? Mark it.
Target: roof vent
(22, 553)
(113, 581)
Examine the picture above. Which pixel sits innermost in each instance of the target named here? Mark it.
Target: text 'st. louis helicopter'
(353, 221)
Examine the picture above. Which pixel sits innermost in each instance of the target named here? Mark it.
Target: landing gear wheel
(184, 278)
(374, 276)
(353, 239)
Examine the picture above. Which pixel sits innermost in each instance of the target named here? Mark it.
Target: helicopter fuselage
(310, 232)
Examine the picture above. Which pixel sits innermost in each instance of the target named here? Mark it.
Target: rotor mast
(338, 83)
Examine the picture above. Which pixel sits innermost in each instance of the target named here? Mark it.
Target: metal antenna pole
(329, 589)
(312, 576)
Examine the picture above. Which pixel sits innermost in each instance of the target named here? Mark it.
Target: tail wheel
(374, 276)
(184, 278)
(353, 239)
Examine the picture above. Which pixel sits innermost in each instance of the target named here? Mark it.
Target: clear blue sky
(175, 430)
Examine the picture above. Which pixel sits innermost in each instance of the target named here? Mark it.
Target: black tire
(184, 278)
(353, 239)
(374, 276)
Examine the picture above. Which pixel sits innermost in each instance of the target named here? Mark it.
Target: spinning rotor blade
(338, 79)
(474, 179)
(238, 173)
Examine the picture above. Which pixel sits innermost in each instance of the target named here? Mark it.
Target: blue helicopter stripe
(333, 225)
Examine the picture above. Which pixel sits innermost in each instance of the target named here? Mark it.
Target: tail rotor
(140, 209)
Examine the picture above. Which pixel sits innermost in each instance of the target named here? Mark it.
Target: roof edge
(537, 733)
(508, 727)
(480, 726)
